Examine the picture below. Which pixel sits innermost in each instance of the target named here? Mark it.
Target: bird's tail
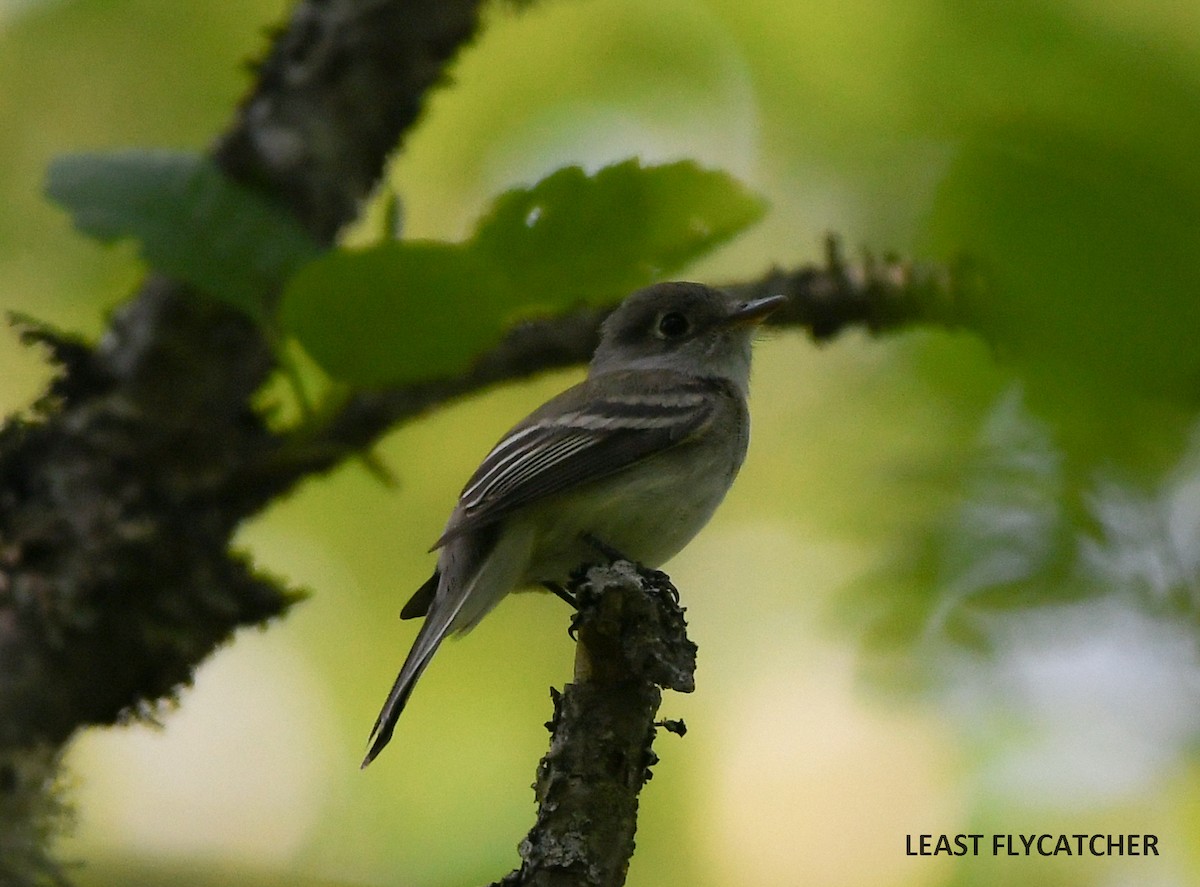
(469, 584)
(437, 625)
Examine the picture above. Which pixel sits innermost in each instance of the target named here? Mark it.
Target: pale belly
(648, 517)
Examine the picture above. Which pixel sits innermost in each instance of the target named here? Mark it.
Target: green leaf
(192, 222)
(604, 234)
(369, 316)
(403, 311)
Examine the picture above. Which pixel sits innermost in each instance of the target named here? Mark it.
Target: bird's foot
(656, 579)
(605, 549)
(560, 591)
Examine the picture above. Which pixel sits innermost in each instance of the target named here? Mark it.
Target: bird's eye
(672, 325)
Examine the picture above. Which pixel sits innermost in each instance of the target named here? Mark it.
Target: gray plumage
(638, 455)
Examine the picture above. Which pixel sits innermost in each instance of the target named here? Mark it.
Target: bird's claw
(654, 577)
(560, 591)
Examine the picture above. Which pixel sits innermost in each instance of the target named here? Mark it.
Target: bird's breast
(648, 512)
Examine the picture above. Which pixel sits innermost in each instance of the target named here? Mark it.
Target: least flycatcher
(636, 456)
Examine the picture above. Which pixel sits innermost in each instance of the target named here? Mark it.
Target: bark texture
(632, 644)
(120, 491)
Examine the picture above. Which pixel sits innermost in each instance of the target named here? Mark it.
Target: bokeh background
(955, 588)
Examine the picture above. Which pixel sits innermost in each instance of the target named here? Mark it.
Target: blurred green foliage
(407, 310)
(1092, 253)
(1004, 521)
(189, 221)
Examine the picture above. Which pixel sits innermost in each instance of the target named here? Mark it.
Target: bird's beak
(754, 312)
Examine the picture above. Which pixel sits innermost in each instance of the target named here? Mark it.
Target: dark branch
(823, 300)
(342, 83)
(120, 494)
(632, 641)
(878, 294)
(118, 502)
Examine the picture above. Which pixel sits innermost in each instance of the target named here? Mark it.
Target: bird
(635, 459)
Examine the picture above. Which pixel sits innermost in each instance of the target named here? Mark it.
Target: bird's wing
(580, 436)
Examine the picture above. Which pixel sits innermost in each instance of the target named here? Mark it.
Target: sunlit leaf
(408, 310)
(600, 235)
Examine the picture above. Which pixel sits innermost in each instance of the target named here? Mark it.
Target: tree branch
(118, 501)
(632, 641)
(343, 81)
(119, 496)
(823, 300)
